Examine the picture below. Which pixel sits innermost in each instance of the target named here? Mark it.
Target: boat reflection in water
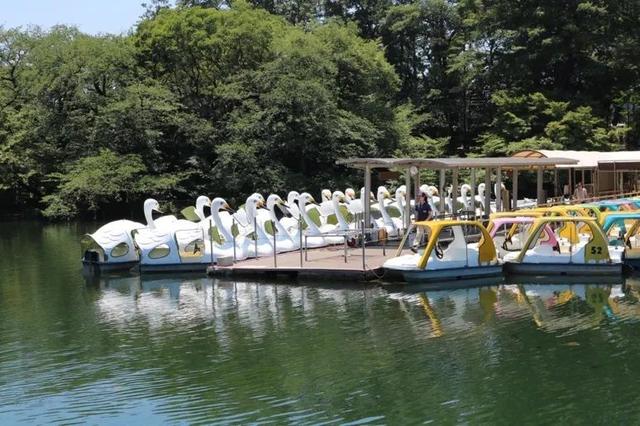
(262, 307)
(191, 299)
(558, 308)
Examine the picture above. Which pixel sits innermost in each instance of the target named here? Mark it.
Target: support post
(621, 183)
(454, 192)
(416, 184)
(570, 182)
(515, 189)
(233, 234)
(300, 233)
(487, 191)
(407, 200)
(555, 183)
(364, 242)
(441, 191)
(539, 191)
(367, 194)
(275, 251)
(473, 191)
(211, 239)
(498, 189)
(345, 248)
(255, 234)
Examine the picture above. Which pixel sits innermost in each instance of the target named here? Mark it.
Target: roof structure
(588, 159)
(459, 163)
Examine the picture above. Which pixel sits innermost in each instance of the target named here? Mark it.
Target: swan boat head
(340, 197)
(201, 202)
(218, 204)
(305, 198)
(383, 194)
(274, 200)
(150, 205)
(350, 193)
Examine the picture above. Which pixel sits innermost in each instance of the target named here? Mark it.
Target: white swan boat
(111, 247)
(178, 245)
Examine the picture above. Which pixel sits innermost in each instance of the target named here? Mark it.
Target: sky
(90, 16)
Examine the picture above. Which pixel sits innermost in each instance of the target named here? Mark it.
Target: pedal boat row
(531, 244)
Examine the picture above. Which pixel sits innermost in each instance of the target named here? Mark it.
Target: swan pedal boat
(580, 248)
(460, 259)
(111, 248)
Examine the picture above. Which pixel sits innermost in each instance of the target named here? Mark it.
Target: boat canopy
(596, 248)
(486, 248)
(493, 217)
(586, 159)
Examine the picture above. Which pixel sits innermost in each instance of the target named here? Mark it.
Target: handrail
(611, 195)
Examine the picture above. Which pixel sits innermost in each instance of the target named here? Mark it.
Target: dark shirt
(423, 211)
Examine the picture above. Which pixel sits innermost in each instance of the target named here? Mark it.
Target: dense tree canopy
(231, 97)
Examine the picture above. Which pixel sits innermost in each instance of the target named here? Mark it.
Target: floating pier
(327, 263)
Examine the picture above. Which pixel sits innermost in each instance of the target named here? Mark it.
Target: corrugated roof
(458, 163)
(586, 159)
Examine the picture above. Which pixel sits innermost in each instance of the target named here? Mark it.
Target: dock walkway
(321, 263)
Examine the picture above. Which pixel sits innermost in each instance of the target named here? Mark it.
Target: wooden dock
(321, 263)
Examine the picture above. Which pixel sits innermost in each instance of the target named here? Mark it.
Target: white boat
(177, 247)
(458, 260)
(111, 247)
(584, 253)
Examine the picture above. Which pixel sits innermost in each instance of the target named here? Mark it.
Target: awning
(585, 159)
(458, 163)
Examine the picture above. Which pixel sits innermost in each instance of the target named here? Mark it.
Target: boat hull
(451, 274)
(93, 267)
(564, 269)
(633, 263)
(175, 267)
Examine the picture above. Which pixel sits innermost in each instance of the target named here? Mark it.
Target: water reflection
(554, 308)
(259, 306)
(158, 301)
(187, 349)
(198, 350)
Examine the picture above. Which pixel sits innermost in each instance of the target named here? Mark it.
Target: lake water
(189, 349)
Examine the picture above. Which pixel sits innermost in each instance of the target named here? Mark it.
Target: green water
(187, 349)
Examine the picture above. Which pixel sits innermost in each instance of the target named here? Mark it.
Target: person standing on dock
(581, 192)
(423, 212)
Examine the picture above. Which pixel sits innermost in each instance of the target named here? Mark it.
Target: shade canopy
(458, 163)
(587, 159)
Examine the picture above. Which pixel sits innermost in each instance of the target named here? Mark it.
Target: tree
(536, 122)
(96, 181)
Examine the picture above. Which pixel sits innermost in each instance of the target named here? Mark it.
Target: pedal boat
(623, 231)
(581, 250)
(110, 249)
(174, 250)
(510, 233)
(460, 259)
(582, 210)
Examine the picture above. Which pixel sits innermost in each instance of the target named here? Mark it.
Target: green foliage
(535, 122)
(257, 95)
(105, 178)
